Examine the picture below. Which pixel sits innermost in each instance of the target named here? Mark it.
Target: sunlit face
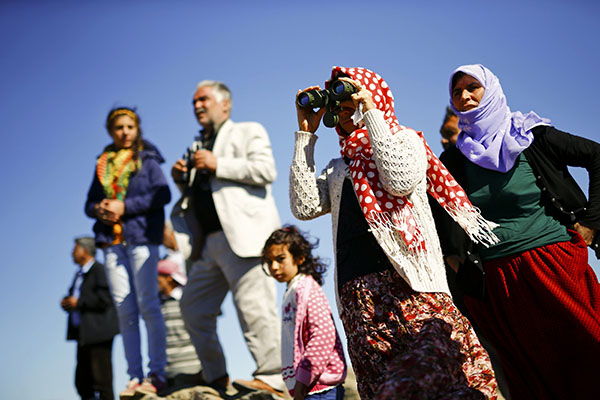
(449, 132)
(345, 111)
(79, 255)
(281, 263)
(123, 131)
(467, 93)
(209, 112)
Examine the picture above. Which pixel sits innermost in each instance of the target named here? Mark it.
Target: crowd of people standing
(499, 218)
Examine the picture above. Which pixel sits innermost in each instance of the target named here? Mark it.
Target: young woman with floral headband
(406, 339)
(127, 199)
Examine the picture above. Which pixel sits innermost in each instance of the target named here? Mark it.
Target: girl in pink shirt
(312, 358)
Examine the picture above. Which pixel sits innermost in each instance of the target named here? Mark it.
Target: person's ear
(226, 104)
(300, 260)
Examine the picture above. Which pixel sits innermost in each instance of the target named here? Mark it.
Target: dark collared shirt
(206, 213)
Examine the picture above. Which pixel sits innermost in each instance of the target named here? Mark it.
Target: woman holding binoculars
(405, 336)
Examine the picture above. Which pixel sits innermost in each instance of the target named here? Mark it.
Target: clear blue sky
(64, 64)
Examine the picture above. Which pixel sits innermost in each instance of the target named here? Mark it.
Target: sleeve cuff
(128, 207)
(375, 122)
(305, 146)
(304, 376)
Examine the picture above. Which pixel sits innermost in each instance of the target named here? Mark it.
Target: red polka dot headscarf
(384, 211)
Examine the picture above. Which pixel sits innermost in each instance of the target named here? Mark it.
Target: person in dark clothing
(449, 132)
(92, 323)
(127, 199)
(449, 129)
(540, 306)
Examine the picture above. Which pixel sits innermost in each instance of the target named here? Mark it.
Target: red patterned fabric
(383, 210)
(543, 317)
(411, 345)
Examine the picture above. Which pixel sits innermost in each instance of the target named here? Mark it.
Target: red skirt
(542, 314)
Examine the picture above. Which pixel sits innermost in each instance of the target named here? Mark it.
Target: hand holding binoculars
(330, 98)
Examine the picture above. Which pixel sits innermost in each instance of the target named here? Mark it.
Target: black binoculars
(188, 158)
(330, 98)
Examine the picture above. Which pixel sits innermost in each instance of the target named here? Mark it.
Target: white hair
(220, 90)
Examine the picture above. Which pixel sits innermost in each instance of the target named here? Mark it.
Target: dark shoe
(219, 384)
(256, 384)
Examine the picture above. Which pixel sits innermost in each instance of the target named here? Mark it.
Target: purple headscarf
(491, 136)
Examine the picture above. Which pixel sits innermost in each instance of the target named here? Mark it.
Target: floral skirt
(410, 345)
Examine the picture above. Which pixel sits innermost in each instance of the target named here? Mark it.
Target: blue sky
(64, 64)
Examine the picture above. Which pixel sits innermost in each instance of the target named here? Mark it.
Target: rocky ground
(208, 393)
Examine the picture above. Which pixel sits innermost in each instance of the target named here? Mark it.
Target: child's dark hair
(299, 247)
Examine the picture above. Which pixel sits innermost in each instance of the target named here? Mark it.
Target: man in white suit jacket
(225, 215)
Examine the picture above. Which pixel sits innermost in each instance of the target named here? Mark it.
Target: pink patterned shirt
(311, 349)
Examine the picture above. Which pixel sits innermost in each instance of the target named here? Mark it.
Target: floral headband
(118, 112)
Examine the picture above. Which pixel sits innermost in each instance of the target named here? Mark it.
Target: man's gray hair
(88, 244)
(220, 90)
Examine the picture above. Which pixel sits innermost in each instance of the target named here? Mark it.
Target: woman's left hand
(112, 210)
(363, 96)
(103, 215)
(586, 233)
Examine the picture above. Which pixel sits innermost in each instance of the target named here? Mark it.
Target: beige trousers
(218, 271)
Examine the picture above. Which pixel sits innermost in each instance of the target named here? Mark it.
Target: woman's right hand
(308, 119)
(454, 262)
(300, 391)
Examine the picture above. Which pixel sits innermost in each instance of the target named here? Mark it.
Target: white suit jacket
(241, 189)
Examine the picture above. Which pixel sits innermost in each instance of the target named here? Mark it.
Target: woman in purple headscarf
(541, 307)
